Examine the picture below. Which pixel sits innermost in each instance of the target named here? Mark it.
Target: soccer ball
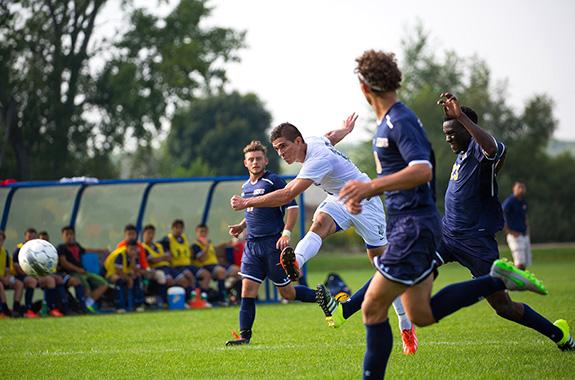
(38, 258)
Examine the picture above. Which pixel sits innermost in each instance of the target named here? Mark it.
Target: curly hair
(255, 146)
(379, 71)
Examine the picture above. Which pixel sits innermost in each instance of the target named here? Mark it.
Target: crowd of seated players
(136, 275)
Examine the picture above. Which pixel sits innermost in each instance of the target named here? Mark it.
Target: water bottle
(44, 310)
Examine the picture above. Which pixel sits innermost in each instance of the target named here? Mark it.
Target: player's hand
(450, 105)
(235, 229)
(238, 203)
(352, 193)
(282, 242)
(349, 123)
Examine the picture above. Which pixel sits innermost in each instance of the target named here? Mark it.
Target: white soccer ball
(38, 258)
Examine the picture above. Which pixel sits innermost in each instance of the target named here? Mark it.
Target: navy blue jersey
(400, 141)
(471, 204)
(264, 221)
(515, 214)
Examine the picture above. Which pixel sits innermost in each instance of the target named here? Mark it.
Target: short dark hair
(178, 222)
(202, 225)
(378, 70)
(287, 131)
(130, 227)
(67, 228)
(3, 234)
(30, 230)
(149, 227)
(468, 111)
(43, 233)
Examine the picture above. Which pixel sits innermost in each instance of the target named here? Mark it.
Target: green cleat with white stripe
(516, 279)
(331, 308)
(567, 343)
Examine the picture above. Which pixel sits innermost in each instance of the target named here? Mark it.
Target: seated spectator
(70, 254)
(63, 281)
(131, 233)
(178, 245)
(123, 269)
(204, 256)
(8, 281)
(160, 263)
(48, 283)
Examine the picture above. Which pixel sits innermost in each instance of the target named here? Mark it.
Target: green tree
(49, 96)
(216, 129)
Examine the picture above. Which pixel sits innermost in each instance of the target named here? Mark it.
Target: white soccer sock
(404, 322)
(307, 247)
(89, 301)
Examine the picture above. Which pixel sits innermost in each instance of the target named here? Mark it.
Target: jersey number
(455, 172)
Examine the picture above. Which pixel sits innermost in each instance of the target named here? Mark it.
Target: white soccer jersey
(327, 167)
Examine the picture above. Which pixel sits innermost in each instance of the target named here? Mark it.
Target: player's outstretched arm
(452, 108)
(275, 198)
(347, 126)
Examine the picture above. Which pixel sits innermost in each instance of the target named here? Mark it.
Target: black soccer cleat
(289, 263)
(242, 338)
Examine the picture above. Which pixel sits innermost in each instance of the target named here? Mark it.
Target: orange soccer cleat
(55, 313)
(409, 340)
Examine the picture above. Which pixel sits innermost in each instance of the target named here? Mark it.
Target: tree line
(156, 104)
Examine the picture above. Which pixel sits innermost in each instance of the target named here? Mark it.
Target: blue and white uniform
(330, 169)
(414, 227)
(264, 226)
(472, 210)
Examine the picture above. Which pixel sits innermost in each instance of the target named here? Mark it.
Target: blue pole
(208, 204)
(143, 205)
(76, 206)
(7, 205)
(303, 279)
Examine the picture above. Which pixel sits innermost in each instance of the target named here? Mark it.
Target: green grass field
(292, 341)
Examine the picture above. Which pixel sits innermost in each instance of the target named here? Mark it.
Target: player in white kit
(328, 168)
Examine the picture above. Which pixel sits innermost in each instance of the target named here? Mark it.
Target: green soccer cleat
(330, 307)
(516, 279)
(567, 343)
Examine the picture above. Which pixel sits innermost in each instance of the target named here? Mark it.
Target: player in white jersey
(328, 168)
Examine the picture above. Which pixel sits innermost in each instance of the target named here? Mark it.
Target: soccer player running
(404, 160)
(267, 235)
(330, 169)
(473, 214)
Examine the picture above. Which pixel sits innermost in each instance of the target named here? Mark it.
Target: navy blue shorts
(261, 259)
(410, 254)
(178, 272)
(210, 268)
(476, 253)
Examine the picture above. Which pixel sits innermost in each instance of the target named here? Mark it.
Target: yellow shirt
(110, 262)
(181, 254)
(155, 253)
(5, 258)
(210, 257)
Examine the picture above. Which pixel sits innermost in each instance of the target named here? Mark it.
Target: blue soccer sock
(456, 296)
(79, 289)
(539, 323)
(353, 305)
(138, 292)
(120, 294)
(379, 344)
(50, 297)
(247, 313)
(61, 292)
(304, 294)
(28, 297)
(163, 293)
(222, 289)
